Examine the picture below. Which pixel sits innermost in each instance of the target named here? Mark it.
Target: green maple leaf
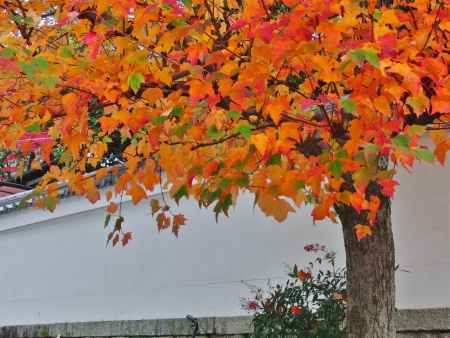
(135, 81)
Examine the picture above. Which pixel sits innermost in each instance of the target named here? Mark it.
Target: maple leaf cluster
(295, 101)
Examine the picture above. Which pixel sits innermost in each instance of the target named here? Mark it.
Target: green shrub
(310, 305)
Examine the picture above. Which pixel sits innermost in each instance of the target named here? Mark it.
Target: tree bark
(370, 274)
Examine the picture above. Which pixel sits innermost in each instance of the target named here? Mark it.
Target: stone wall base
(424, 323)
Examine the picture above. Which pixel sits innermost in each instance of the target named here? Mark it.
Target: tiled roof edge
(15, 202)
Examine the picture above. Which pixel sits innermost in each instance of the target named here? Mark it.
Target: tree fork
(370, 274)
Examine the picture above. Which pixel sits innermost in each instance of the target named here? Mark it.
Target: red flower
(302, 275)
(296, 310)
(252, 305)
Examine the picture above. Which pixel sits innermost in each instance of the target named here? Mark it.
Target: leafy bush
(310, 305)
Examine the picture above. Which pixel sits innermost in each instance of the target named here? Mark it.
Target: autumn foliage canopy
(295, 101)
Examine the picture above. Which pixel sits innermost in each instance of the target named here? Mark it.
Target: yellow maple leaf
(276, 207)
(260, 141)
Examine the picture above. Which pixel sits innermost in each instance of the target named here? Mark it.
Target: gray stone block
(424, 320)
(233, 325)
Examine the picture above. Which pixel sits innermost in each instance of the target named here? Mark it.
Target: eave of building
(16, 214)
(19, 200)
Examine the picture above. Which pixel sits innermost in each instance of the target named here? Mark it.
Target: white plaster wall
(57, 267)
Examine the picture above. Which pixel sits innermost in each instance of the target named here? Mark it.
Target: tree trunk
(370, 274)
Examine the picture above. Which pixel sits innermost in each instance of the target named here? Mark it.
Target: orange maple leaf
(112, 207)
(362, 231)
(178, 221)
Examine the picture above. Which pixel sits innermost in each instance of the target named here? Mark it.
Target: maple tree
(295, 101)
